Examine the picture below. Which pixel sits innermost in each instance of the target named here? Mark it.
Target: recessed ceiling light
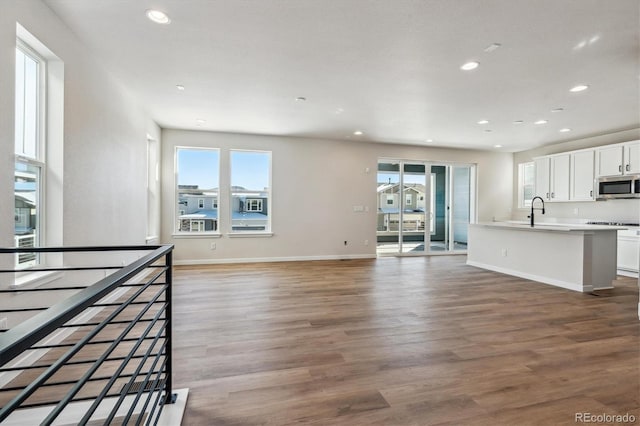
(557, 110)
(488, 130)
(518, 122)
(541, 122)
(429, 140)
(483, 122)
(158, 16)
(579, 88)
(200, 121)
(179, 87)
(492, 47)
(566, 129)
(470, 66)
(339, 111)
(301, 99)
(497, 146)
(357, 133)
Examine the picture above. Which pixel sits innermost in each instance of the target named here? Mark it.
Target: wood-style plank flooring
(399, 341)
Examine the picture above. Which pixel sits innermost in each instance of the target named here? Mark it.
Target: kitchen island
(575, 257)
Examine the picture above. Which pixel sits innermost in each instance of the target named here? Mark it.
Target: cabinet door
(560, 177)
(582, 172)
(628, 253)
(632, 158)
(609, 161)
(542, 178)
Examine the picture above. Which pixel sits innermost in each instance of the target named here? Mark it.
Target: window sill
(197, 235)
(250, 234)
(35, 279)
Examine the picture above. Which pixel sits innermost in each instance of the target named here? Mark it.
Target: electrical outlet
(366, 242)
(212, 246)
(504, 252)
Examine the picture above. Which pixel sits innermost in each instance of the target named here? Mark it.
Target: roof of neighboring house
(213, 214)
(418, 187)
(201, 214)
(27, 197)
(391, 210)
(248, 216)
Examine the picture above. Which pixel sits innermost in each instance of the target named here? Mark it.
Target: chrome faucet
(533, 201)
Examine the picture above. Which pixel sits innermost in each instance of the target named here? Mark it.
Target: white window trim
(39, 161)
(176, 233)
(522, 204)
(201, 203)
(268, 232)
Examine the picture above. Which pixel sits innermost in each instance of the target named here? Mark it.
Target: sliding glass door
(423, 207)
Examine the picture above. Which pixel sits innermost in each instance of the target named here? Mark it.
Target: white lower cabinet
(629, 251)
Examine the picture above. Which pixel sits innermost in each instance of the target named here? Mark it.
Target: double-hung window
(526, 184)
(29, 152)
(250, 191)
(197, 190)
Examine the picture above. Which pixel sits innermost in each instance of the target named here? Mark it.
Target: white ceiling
(390, 68)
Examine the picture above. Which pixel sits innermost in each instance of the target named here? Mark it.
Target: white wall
(612, 210)
(105, 133)
(316, 183)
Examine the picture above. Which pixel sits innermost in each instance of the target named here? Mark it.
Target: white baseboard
(271, 259)
(533, 277)
(625, 273)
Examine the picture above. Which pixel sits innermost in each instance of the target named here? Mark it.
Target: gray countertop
(554, 227)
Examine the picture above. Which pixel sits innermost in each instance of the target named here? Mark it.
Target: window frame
(38, 160)
(268, 231)
(177, 211)
(522, 202)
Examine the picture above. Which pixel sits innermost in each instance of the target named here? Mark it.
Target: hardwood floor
(399, 341)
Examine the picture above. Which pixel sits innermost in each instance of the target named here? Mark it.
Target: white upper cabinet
(571, 176)
(618, 159)
(632, 157)
(542, 178)
(560, 165)
(582, 176)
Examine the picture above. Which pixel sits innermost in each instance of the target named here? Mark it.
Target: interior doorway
(423, 207)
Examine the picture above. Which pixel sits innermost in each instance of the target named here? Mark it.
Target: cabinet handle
(620, 168)
(591, 193)
(547, 195)
(627, 167)
(553, 195)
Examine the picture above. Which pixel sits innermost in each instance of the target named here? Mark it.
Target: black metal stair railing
(102, 354)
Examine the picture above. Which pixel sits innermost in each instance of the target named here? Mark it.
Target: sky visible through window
(198, 167)
(250, 169)
(201, 167)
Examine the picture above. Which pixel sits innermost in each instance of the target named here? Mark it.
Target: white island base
(575, 257)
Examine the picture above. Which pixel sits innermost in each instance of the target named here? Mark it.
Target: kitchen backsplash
(612, 210)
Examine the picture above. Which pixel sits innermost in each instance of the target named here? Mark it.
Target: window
(526, 184)
(250, 191)
(253, 205)
(389, 200)
(29, 152)
(197, 185)
(407, 199)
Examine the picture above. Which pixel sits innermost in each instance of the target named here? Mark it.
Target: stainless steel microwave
(618, 187)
